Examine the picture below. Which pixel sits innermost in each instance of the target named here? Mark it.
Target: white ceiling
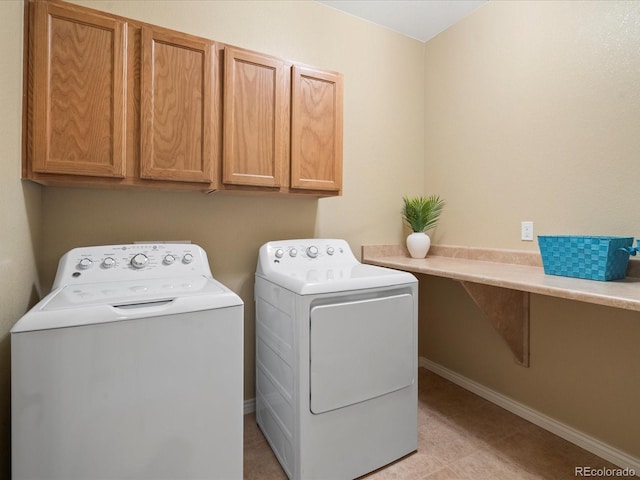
(419, 19)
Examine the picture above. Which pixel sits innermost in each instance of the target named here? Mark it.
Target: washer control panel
(111, 263)
(304, 254)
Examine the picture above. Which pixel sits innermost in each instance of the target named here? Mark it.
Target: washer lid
(338, 279)
(131, 292)
(88, 304)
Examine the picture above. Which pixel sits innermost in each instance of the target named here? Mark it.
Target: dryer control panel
(114, 263)
(303, 254)
(304, 261)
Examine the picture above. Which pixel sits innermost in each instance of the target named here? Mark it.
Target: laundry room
(520, 111)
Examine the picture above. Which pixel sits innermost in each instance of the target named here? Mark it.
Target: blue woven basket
(594, 258)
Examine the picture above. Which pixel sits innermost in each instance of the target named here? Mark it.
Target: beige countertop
(509, 269)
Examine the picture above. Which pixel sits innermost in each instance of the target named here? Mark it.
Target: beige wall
(532, 113)
(19, 212)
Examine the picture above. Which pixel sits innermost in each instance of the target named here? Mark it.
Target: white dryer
(132, 367)
(336, 359)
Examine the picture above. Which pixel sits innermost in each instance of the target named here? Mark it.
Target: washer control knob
(279, 253)
(139, 260)
(85, 263)
(168, 259)
(330, 250)
(312, 251)
(293, 252)
(108, 262)
(187, 258)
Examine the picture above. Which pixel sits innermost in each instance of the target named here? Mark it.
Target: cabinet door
(255, 142)
(176, 110)
(79, 92)
(316, 129)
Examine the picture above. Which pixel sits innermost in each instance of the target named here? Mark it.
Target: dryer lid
(312, 266)
(330, 280)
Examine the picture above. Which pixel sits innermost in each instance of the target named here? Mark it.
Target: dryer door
(360, 350)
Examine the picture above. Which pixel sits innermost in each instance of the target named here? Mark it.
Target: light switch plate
(526, 231)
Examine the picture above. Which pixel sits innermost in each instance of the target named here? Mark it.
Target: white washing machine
(336, 359)
(131, 368)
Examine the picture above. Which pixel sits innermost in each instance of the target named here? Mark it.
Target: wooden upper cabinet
(316, 129)
(282, 125)
(116, 102)
(78, 92)
(255, 124)
(176, 107)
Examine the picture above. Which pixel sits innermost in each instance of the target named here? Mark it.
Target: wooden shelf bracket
(508, 312)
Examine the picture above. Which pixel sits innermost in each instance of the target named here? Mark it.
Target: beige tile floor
(460, 437)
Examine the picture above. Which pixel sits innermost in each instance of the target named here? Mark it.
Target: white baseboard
(249, 406)
(591, 444)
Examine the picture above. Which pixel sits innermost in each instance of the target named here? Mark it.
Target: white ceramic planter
(418, 244)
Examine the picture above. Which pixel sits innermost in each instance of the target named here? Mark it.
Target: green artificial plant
(422, 213)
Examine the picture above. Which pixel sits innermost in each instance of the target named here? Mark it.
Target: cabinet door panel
(176, 113)
(316, 129)
(79, 93)
(255, 119)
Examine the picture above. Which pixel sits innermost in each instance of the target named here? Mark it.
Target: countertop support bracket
(508, 312)
(501, 281)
